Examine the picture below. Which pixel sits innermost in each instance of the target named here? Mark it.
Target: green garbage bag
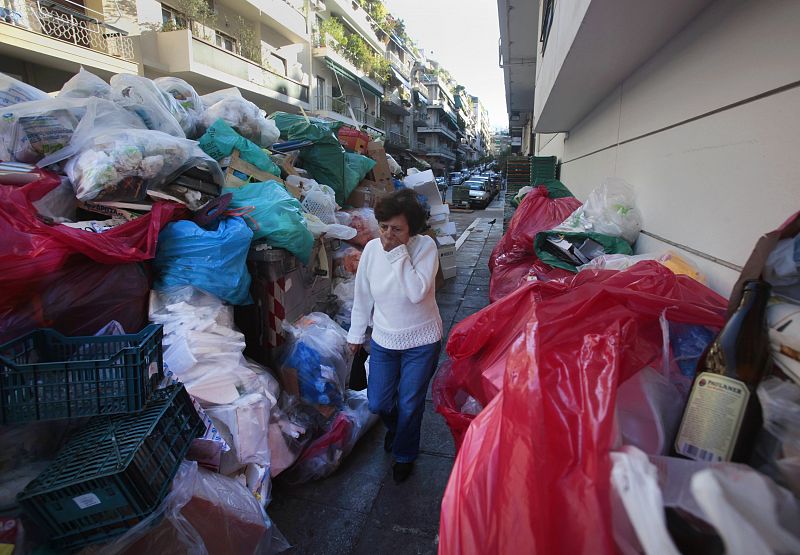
(220, 139)
(611, 245)
(274, 215)
(357, 168)
(555, 188)
(325, 160)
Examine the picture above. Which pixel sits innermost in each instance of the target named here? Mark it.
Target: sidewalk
(359, 509)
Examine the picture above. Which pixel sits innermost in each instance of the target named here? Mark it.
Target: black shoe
(401, 471)
(388, 441)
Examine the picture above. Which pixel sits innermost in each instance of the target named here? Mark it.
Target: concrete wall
(706, 131)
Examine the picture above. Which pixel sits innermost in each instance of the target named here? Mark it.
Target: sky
(462, 35)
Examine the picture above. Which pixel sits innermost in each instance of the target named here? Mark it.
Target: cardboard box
(381, 174)
(240, 173)
(447, 260)
(366, 195)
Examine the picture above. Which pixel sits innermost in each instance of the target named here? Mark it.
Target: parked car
(471, 194)
(456, 178)
(441, 183)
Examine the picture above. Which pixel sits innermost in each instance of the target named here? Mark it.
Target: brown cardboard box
(381, 174)
(366, 195)
(240, 173)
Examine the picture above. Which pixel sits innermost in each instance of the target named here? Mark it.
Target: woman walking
(395, 290)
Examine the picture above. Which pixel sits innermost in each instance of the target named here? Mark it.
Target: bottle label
(712, 418)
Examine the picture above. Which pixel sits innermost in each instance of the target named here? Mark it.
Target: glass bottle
(723, 416)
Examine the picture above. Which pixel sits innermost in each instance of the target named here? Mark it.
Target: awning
(347, 74)
(419, 97)
(402, 79)
(452, 118)
(419, 162)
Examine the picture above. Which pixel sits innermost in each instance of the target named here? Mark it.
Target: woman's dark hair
(402, 202)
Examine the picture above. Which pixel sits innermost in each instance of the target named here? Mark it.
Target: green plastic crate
(114, 472)
(45, 375)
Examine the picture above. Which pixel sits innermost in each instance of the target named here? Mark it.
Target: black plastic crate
(45, 375)
(114, 472)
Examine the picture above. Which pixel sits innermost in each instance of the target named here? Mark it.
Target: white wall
(713, 167)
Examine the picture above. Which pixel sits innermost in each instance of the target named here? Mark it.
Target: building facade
(695, 106)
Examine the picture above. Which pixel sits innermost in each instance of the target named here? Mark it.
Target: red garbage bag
(79, 299)
(33, 249)
(513, 258)
(532, 475)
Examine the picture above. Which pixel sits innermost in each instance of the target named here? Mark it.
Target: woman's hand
(354, 347)
(389, 243)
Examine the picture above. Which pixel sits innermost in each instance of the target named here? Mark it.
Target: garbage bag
(245, 117)
(513, 259)
(533, 471)
(782, 269)
(214, 260)
(588, 242)
(13, 91)
(183, 92)
(111, 160)
(29, 131)
(316, 361)
(670, 259)
(326, 453)
(364, 222)
(158, 110)
(358, 167)
(78, 299)
(276, 216)
(325, 160)
(609, 210)
(204, 514)
(85, 84)
(320, 200)
(220, 139)
(32, 249)
(778, 448)
(210, 99)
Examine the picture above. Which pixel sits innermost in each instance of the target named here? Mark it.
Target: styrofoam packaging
(425, 184)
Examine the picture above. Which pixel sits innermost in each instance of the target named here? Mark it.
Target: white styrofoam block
(440, 209)
(419, 178)
(446, 229)
(445, 241)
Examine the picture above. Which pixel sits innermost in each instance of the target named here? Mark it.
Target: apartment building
(440, 134)
(692, 102)
(483, 128)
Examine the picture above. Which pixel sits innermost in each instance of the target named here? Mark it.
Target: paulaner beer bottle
(723, 415)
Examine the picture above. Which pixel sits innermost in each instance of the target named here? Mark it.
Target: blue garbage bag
(214, 260)
(275, 216)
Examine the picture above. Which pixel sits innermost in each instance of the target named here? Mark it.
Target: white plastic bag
(320, 200)
(212, 98)
(609, 210)
(29, 131)
(244, 424)
(187, 97)
(782, 269)
(780, 403)
(13, 91)
(85, 84)
(245, 117)
(158, 110)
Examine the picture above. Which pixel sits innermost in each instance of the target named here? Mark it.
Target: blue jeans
(398, 382)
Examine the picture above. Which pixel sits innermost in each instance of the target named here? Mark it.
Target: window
(547, 22)
(320, 89)
(170, 17)
(225, 41)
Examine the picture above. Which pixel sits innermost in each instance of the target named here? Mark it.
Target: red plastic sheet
(33, 249)
(532, 475)
(513, 259)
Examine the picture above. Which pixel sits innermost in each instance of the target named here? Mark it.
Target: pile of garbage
(178, 277)
(612, 403)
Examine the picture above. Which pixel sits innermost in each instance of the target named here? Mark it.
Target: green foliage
(247, 41)
(332, 27)
(355, 49)
(197, 10)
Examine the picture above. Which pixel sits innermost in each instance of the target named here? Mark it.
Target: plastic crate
(114, 472)
(45, 375)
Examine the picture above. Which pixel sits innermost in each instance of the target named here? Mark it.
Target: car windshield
(475, 185)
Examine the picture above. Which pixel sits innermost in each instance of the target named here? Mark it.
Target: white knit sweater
(400, 286)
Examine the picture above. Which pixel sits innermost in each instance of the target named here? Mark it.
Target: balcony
(64, 35)
(441, 151)
(207, 66)
(358, 19)
(438, 129)
(393, 103)
(335, 108)
(285, 16)
(397, 140)
(420, 117)
(342, 66)
(420, 147)
(402, 67)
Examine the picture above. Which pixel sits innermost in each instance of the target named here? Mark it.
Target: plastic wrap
(59, 205)
(609, 210)
(32, 249)
(275, 216)
(579, 339)
(210, 99)
(364, 222)
(13, 91)
(345, 291)
(85, 84)
(320, 200)
(29, 131)
(513, 260)
(213, 260)
(345, 261)
(158, 110)
(183, 92)
(316, 363)
(204, 514)
(782, 269)
(671, 260)
(780, 403)
(324, 455)
(245, 117)
(244, 424)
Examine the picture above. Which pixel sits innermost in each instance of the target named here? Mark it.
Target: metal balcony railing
(439, 129)
(421, 147)
(441, 150)
(400, 65)
(339, 106)
(70, 22)
(397, 139)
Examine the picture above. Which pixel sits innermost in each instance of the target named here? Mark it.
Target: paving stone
(316, 529)
(397, 540)
(436, 437)
(475, 301)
